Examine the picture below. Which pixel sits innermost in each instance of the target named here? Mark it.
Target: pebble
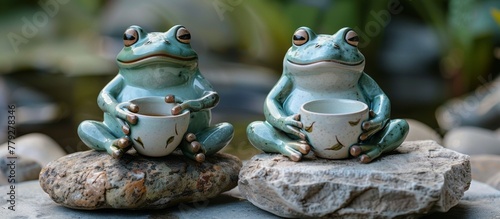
(473, 141)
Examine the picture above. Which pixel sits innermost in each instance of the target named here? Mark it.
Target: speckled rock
(418, 178)
(94, 180)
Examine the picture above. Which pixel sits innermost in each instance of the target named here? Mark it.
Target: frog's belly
(298, 97)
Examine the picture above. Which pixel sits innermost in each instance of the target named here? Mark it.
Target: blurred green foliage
(249, 31)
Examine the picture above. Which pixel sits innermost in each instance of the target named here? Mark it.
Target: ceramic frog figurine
(157, 64)
(319, 66)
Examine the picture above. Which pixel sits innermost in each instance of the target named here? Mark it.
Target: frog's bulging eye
(130, 37)
(183, 35)
(352, 38)
(300, 37)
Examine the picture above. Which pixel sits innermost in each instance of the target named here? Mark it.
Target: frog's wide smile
(158, 56)
(325, 65)
(326, 61)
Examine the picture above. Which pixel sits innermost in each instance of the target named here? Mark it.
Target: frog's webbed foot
(295, 149)
(119, 147)
(193, 148)
(387, 139)
(208, 141)
(366, 153)
(265, 137)
(98, 136)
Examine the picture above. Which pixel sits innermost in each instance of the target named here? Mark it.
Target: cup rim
(120, 107)
(362, 110)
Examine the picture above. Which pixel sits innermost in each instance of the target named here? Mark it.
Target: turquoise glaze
(157, 64)
(320, 66)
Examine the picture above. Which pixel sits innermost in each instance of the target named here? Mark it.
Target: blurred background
(56, 55)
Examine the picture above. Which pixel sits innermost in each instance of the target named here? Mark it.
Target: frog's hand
(106, 100)
(209, 100)
(122, 145)
(380, 106)
(273, 107)
(292, 125)
(372, 126)
(173, 99)
(388, 139)
(123, 115)
(119, 147)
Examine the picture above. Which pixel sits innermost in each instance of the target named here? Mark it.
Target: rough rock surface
(480, 201)
(418, 178)
(93, 180)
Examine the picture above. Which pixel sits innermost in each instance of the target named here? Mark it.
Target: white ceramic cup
(333, 125)
(157, 132)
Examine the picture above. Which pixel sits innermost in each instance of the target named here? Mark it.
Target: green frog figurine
(157, 64)
(320, 66)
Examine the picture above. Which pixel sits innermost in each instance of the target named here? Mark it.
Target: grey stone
(35, 146)
(31, 202)
(420, 131)
(30, 153)
(494, 181)
(473, 141)
(420, 177)
(486, 169)
(94, 180)
(19, 169)
(480, 201)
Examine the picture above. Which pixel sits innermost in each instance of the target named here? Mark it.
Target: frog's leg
(98, 136)
(207, 142)
(387, 139)
(265, 137)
